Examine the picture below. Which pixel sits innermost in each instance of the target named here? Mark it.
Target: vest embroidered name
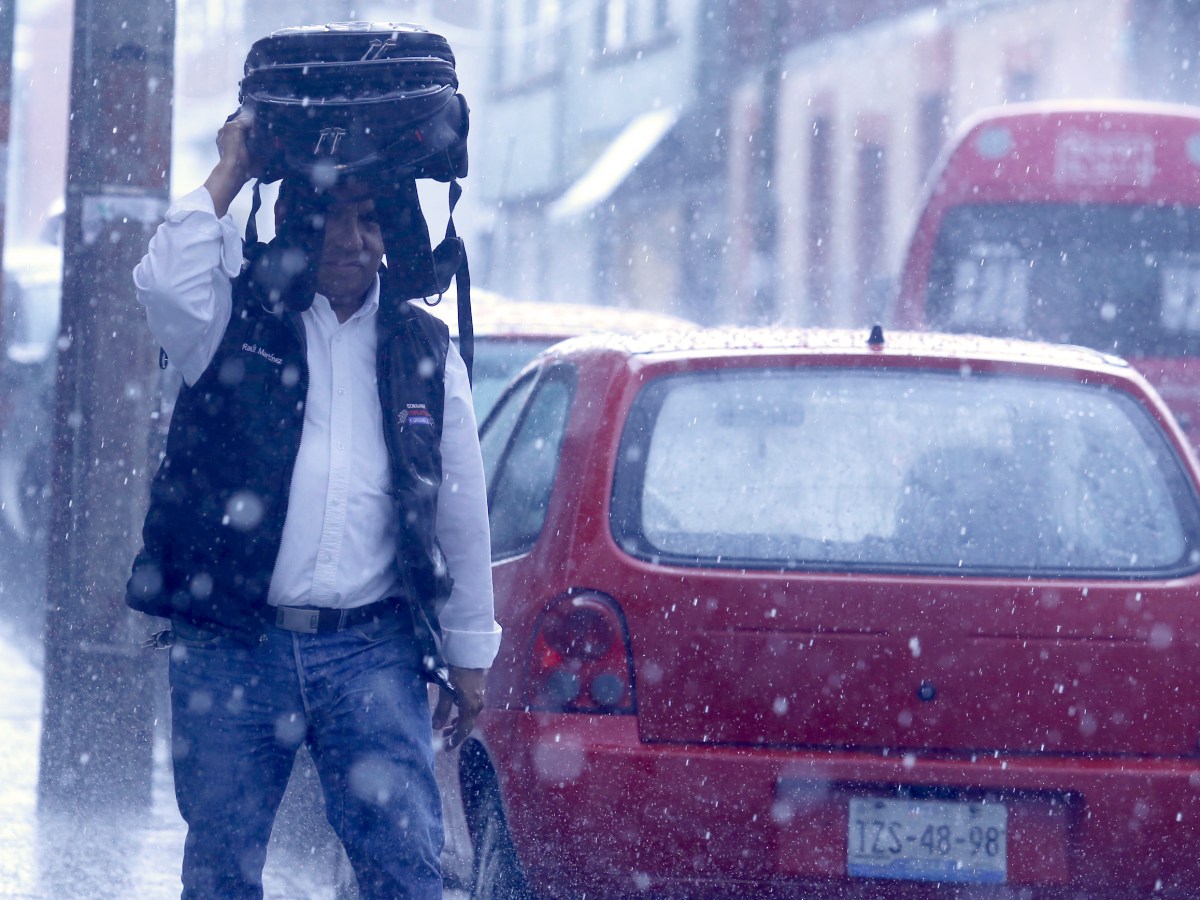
(263, 352)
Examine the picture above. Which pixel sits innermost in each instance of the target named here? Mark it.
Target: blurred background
(722, 160)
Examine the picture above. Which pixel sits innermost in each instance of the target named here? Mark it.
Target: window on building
(1163, 33)
(617, 32)
(932, 115)
(1022, 86)
(530, 38)
(661, 15)
(820, 210)
(871, 210)
(623, 24)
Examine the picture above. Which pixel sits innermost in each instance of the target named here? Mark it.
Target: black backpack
(358, 100)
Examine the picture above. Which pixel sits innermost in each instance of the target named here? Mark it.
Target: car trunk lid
(960, 666)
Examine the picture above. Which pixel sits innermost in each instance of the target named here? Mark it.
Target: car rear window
(900, 470)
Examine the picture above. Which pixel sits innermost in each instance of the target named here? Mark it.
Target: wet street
(113, 855)
(101, 856)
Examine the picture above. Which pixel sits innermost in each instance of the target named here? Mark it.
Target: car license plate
(928, 840)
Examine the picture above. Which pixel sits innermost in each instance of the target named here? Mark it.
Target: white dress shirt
(339, 539)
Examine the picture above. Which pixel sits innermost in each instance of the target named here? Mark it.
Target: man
(321, 491)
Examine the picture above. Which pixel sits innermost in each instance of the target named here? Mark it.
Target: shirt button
(341, 390)
(341, 446)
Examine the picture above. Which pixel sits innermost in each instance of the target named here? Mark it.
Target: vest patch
(414, 414)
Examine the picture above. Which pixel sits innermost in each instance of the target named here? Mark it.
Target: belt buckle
(305, 621)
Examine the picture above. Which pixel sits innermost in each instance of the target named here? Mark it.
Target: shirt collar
(369, 306)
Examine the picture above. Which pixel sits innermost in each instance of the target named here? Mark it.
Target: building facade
(862, 115)
(586, 149)
(761, 161)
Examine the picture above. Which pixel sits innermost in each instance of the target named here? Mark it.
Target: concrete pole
(98, 705)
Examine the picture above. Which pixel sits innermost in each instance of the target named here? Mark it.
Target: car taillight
(581, 661)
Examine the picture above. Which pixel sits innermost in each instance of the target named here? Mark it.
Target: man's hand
(232, 171)
(469, 689)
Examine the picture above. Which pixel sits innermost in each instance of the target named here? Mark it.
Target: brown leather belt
(322, 620)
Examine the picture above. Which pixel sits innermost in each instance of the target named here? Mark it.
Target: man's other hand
(469, 690)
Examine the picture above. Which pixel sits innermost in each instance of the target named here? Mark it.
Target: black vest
(218, 502)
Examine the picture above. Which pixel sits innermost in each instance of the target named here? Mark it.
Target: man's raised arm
(184, 280)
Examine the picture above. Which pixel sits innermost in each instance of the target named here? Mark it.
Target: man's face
(353, 248)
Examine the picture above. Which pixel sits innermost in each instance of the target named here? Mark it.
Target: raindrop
(201, 585)
(244, 511)
(237, 700)
(292, 262)
(146, 581)
(289, 730)
(232, 371)
(371, 780)
(562, 764)
(1161, 636)
(652, 672)
(324, 172)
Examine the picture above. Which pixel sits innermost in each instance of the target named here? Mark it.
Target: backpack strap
(455, 254)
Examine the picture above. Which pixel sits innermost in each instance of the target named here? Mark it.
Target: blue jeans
(239, 715)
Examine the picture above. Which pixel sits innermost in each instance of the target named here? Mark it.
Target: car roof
(496, 315)
(718, 342)
(1077, 110)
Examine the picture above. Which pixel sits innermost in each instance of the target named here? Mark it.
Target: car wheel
(497, 871)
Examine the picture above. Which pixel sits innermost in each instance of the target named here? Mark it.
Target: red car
(797, 614)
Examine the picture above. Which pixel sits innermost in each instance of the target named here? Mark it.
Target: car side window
(498, 427)
(521, 479)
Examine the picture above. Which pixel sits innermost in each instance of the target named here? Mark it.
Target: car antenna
(875, 341)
